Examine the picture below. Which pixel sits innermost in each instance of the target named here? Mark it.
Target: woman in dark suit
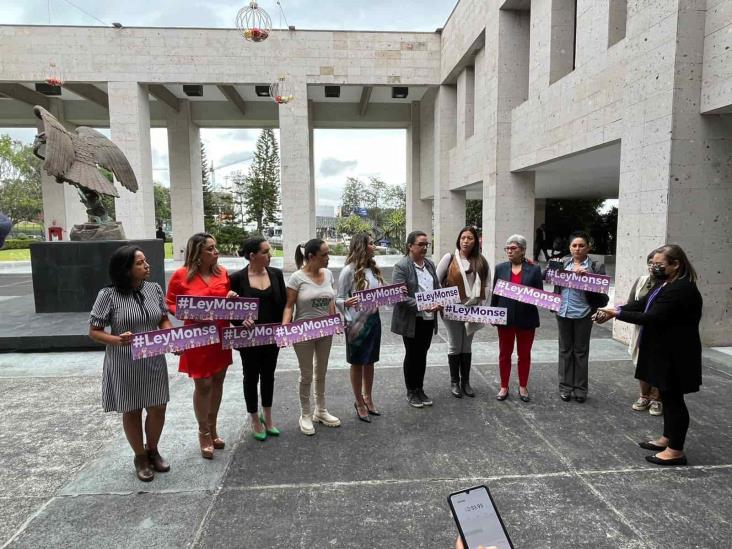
(522, 318)
(267, 284)
(415, 327)
(669, 352)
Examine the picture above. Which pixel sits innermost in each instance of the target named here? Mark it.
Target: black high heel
(524, 398)
(365, 418)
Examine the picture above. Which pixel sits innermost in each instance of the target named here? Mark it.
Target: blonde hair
(193, 255)
(358, 257)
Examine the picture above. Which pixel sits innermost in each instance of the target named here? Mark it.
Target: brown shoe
(158, 462)
(206, 443)
(142, 467)
(218, 442)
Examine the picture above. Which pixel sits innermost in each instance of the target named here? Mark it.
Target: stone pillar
(296, 168)
(508, 198)
(62, 206)
(186, 191)
(419, 212)
(129, 121)
(449, 206)
(675, 164)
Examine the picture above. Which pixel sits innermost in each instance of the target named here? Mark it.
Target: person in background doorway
(160, 234)
(541, 243)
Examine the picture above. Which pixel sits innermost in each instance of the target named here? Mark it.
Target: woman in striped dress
(131, 305)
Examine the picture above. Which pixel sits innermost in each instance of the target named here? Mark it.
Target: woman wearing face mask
(649, 398)
(415, 327)
(574, 320)
(669, 352)
(468, 270)
(311, 294)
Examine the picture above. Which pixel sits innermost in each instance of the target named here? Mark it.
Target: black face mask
(659, 273)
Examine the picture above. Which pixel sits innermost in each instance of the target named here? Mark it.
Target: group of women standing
(670, 308)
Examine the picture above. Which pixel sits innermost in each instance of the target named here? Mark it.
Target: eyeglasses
(422, 244)
(511, 248)
(659, 265)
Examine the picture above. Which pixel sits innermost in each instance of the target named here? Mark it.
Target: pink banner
(172, 340)
(239, 337)
(307, 330)
(527, 294)
(384, 295)
(216, 308)
(588, 282)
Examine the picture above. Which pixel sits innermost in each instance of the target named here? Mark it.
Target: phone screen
(478, 519)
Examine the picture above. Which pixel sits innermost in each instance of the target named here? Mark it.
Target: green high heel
(261, 437)
(274, 431)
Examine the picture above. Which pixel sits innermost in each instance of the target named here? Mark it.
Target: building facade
(513, 102)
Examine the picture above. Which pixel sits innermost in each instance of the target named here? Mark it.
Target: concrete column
(508, 198)
(296, 168)
(675, 164)
(129, 120)
(62, 206)
(449, 206)
(419, 212)
(186, 192)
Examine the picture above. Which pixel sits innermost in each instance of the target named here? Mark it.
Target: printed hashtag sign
(216, 308)
(239, 337)
(527, 294)
(383, 295)
(307, 330)
(159, 342)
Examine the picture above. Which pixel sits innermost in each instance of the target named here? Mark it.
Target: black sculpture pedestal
(67, 276)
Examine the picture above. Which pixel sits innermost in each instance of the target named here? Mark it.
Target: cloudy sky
(338, 153)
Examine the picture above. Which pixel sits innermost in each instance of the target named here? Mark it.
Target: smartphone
(478, 520)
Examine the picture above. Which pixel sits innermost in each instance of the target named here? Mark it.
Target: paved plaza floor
(562, 474)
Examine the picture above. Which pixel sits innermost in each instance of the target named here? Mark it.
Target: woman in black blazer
(267, 284)
(669, 352)
(522, 318)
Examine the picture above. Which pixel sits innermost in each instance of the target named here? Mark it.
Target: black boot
(465, 360)
(454, 362)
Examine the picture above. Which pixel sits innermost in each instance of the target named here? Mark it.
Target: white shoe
(326, 418)
(656, 408)
(306, 425)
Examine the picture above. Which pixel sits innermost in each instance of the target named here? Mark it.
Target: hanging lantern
(53, 76)
(254, 23)
(281, 91)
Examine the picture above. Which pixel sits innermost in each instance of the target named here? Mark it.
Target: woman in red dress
(202, 276)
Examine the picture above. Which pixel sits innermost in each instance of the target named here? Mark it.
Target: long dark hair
(193, 254)
(304, 251)
(674, 252)
(412, 238)
(120, 266)
(359, 258)
(251, 246)
(478, 263)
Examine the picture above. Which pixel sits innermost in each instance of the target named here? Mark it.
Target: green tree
(20, 181)
(353, 196)
(376, 194)
(209, 206)
(261, 194)
(353, 224)
(395, 226)
(162, 204)
(474, 213)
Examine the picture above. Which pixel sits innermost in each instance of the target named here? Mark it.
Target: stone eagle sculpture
(75, 158)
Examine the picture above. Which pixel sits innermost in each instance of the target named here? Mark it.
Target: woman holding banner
(574, 320)
(202, 276)
(132, 305)
(311, 294)
(670, 351)
(416, 327)
(468, 270)
(522, 318)
(363, 327)
(259, 280)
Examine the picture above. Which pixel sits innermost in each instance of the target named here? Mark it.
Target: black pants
(574, 354)
(675, 419)
(259, 365)
(415, 356)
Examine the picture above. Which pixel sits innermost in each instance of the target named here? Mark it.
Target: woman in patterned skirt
(131, 305)
(363, 327)
(202, 276)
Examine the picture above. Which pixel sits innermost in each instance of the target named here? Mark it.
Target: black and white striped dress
(131, 384)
